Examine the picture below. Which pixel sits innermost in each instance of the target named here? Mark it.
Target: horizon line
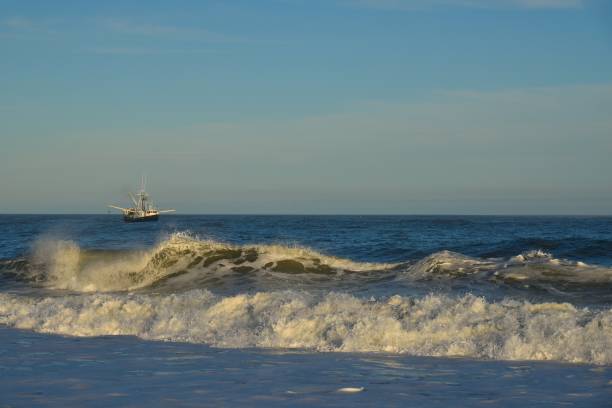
(338, 214)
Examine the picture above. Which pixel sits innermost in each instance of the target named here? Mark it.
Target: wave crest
(185, 262)
(66, 266)
(532, 266)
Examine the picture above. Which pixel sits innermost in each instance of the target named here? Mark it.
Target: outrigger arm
(134, 200)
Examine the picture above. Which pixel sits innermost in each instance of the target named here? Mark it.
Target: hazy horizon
(237, 214)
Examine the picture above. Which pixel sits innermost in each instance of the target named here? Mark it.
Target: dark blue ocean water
(361, 238)
(393, 296)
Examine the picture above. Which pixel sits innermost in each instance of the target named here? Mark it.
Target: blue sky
(308, 106)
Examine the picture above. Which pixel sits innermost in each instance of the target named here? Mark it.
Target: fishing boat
(143, 209)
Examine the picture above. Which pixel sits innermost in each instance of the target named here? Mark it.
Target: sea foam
(434, 325)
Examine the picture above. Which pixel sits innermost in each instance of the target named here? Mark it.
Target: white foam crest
(532, 256)
(69, 267)
(276, 252)
(529, 266)
(61, 257)
(538, 265)
(66, 266)
(435, 325)
(449, 264)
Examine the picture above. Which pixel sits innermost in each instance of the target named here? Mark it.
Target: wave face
(531, 266)
(181, 260)
(184, 263)
(435, 325)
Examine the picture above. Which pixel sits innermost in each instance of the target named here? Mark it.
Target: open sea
(212, 310)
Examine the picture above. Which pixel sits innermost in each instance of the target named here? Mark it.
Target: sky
(307, 106)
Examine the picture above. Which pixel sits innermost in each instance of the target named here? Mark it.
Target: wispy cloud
(18, 23)
(19, 26)
(146, 51)
(421, 4)
(146, 29)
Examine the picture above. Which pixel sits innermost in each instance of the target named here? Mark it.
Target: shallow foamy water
(44, 370)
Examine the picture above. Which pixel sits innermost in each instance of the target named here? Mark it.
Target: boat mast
(142, 195)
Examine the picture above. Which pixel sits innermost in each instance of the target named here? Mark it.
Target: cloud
(421, 4)
(18, 23)
(19, 26)
(146, 29)
(145, 51)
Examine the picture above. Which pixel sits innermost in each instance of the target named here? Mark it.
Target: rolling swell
(183, 262)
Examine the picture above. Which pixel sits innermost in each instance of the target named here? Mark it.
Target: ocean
(254, 310)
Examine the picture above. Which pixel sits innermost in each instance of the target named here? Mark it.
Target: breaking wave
(434, 325)
(61, 264)
(185, 263)
(531, 266)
